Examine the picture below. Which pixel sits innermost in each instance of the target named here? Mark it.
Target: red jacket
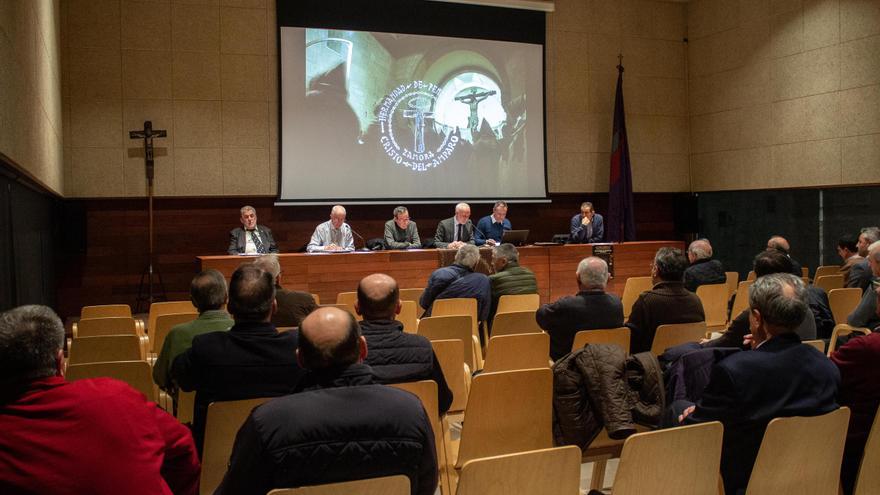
(96, 436)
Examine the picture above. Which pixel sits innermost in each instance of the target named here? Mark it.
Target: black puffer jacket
(599, 386)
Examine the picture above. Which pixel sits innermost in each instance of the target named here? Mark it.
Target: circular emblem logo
(408, 135)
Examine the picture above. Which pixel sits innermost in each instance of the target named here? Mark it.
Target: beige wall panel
(860, 161)
(571, 15)
(653, 58)
(807, 73)
(550, 133)
(97, 172)
(273, 147)
(654, 134)
(577, 172)
(571, 71)
(159, 112)
(788, 117)
(571, 131)
(245, 124)
(135, 176)
(753, 9)
(93, 23)
(787, 33)
(246, 171)
(195, 27)
(244, 77)
(198, 172)
(821, 23)
(197, 124)
(253, 4)
(706, 17)
(96, 73)
(859, 18)
(805, 164)
(604, 16)
(604, 49)
(95, 123)
(664, 173)
(196, 75)
(146, 25)
(782, 6)
(603, 85)
(860, 110)
(601, 127)
(750, 84)
(757, 126)
(243, 31)
(48, 83)
(669, 20)
(146, 74)
(822, 116)
(860, 62)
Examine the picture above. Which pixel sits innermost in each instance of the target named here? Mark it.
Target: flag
(621, 225)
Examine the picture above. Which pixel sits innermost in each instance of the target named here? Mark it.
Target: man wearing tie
(490, 229)
(457, 231)
(587, 227)
(252, 238)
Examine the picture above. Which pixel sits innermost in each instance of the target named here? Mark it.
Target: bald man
(346, 427)
(395, 356)
(779, 243)
(703, 270)
(332, 235)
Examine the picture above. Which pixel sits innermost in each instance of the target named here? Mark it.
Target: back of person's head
(269, 263)
(848, 242)
(778, 243)
(872, 234)
(592, 273)
(30, 340)
(208, 290)
(329, 340)
(508, 252)
(700, 249)
(671, 264)
(771, 261)
(468, 256)
(251, 293)
(378, 297)
(780, 298)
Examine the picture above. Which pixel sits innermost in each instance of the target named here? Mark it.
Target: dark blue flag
(621, 225)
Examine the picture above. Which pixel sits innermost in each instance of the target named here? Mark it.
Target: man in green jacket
(208, 294)
(509, 278)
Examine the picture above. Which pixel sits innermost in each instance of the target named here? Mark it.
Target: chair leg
(598, 479)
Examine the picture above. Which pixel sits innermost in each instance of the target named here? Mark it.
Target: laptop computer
(515, 237)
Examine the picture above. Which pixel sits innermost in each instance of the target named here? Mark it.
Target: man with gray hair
(703, 270)
(509, 278)
(860, 274)
(89, 436)
(401, 232)
(591, 308)
(293, 306)
(459, 280)
(332, 235)
(455, 232)
(251, 238)
(779, 378)
(865, 315)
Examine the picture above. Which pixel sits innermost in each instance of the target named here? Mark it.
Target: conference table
(327, 274)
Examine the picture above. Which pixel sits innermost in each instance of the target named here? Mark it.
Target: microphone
(359, 237)
(485, 237)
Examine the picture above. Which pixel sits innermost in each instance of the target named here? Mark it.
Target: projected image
(419, 116)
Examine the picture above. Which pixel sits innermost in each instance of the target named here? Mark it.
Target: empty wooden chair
(458, 306)
(167, 308)
(752, 275)
(841, 330)
(741, 298)
(537, 472)
(685, 459)
(518, 302)
(517, 352)
(138, 374)
(843, 302)
(317, 298)
(819, 344)
(164, 324)
(515, 322)
(826, 270)
(454, 327)
(106, 311)
(186, 404)
(619, 336)
(94, 327)
(388, 485)
(347, 298)
(828, 282)
(106, 348)
(714, 298)
(672, 335)
(450, 355)
(412, 295)
(805, 271)
(426, 391)
(812, 448)
(631, 290)
(409, 316)
(732, 281)
(223, 422)
(868, 479)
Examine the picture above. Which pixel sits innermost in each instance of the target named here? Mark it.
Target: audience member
(395, 356)
(249, 361)
(459, 280)
(509, 278)
(780, 244)
(587, 226)
(591, 308)
(332, 235)
(292, 306)
(703, 270)
(346, 428)
(252, 238)
(208, 294)
(401, 232)
(667, 302)
(865, 315)
(860, 275)
(490, 229)
(97, 436)
(780, 378)
(848, 251)
(456, 231)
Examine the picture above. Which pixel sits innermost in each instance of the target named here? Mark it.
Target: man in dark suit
(780, 377)
(703, 270)
(251, 238)
(860, 275)
(587, 226)
(292, 306)
(457, 231)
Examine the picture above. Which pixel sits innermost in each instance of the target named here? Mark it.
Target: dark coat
(238, 240)
(859, 275)
(704, 272)
(396, 356)
(587, 310)
(455, 281)
(446, 233)
(344, 429)
(747, 389)
(293, 307)
(665, 303)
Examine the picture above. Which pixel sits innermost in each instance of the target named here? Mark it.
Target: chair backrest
(714, 298)
(839, 331)
(518, 302)
(224, 421)
(679, 333)
(843, 302)
(409, 316)
(536, 472)
(164, 324)
(496, 422)
(412, 295)
(458, 306)
(426, 391)
(515, 322)
(517, 352)
(347, 298)
(752, 275)
(388, 485)
(619, 336)
(452, 327)
(167, 308)
(345, 307)
(741, 299)
(868, 480)
(631, 290)
(812, 448)
(138, 374)
(106, 348)
(828, 282)
(317, 298)
(826, 270)
(732, 281)
(685, 459)
(186, 404)
(450, 355)
(819, 344)
(115, 325)
(805, 271)
(106, 311)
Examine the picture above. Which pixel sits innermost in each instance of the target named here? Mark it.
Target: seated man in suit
(847, 249)
(490, 229)
(332, 235)
(591, 308)
(509, 278)
(866, 315)
(667, 302)
(401, 232)
(250, 361)
(781, 377)
(459, 280)
(587, 226)
(456, 231)
(860, 275)
(292, 305)
(344, 428)
(251, 238)
(703, 270)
